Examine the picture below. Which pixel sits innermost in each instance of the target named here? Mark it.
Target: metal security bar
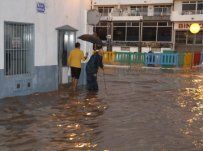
(18, 46)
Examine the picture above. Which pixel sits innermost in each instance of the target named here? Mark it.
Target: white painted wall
(150, 10)
(129, 2)
(57, 14)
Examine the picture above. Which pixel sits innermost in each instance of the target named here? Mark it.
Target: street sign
(41, 7)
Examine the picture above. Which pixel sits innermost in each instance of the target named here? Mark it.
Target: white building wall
(57, 14)
(129, 2)
(150, 10)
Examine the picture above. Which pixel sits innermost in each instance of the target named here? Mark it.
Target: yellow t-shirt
(75, 57)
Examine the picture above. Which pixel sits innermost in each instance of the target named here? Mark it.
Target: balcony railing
(120, 12)
(192, 12)
(158, 13)
(138, 13)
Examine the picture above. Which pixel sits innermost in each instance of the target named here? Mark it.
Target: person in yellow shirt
(74, 61)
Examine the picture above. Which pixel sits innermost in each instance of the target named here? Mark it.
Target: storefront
(150, 34)
(185, 40)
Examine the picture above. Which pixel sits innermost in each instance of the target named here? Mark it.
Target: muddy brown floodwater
(140, 110)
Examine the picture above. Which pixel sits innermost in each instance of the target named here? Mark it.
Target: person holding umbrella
(74, 61)
(95, 61)
(92, 67)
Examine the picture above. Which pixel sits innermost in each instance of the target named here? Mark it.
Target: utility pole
(140, 37)
(109, 36)
(109, 32)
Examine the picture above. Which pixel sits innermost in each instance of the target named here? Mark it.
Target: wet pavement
(139, 110)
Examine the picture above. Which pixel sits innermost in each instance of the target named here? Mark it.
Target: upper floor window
(139, 10)
(162, 10)
(105, 10)
(192, 7)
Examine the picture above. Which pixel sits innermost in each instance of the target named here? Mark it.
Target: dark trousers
(92, 84)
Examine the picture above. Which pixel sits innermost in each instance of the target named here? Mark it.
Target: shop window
(18, 48)
(164, 34)
(185, 37)
(101, 32)
(180, 37)
(119, 33)
(132, 34)
(199, 38)
(123, 31)
(149, 34)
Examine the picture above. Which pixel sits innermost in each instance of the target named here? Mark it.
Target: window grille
(18, 48)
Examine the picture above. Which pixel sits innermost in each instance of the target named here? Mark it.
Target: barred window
(18, 48)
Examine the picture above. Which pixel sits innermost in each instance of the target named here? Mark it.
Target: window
(105, 10)
(157, 31)
(192, 7)
(132, 34)
(18, 45)
(119, 33)
(101, 30)
(126, 31)
(185, 37)
(139, 10)
(199, 38)
(164, 34)
(149, 33)
(200, 7)
(181, 37)
(162, 10)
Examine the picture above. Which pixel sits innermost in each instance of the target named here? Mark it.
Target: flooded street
(140, 110)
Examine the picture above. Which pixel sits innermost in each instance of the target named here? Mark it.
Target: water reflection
(141, 110)
(192, 100)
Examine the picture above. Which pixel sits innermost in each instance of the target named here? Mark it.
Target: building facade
(143, 25)
(35, 38)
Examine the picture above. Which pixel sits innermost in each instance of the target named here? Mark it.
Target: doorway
(66, 42)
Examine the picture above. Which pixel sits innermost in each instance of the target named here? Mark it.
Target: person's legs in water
(75, 76)
(94, 83)
(89, 81)
(75, 84)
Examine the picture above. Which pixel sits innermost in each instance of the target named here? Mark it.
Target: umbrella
(91, 38)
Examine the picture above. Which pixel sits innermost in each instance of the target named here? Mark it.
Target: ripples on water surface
(141, 110)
